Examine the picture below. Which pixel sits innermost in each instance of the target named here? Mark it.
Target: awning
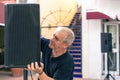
(1, 12)
(96, 15)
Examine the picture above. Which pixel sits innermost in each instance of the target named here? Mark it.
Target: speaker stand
(108, 74)
(25, 74)
(108, 77)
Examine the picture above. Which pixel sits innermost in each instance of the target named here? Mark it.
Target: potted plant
(16, 72)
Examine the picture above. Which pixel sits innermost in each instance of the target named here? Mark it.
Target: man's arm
(43, 76)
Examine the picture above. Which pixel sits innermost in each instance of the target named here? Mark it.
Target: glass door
(114, 55)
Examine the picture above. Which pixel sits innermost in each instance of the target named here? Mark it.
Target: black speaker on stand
(106, 47)
(22, 35)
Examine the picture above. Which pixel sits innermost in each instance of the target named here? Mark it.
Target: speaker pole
(108, 74)
(25, 74)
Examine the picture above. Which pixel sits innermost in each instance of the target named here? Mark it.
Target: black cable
(31, 75)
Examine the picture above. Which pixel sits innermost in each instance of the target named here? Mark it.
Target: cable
(31, 75)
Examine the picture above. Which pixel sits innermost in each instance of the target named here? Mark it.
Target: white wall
(92, 65)
(91, 46)
(85, 43)
(109, 7)
(27, 1)
(91, 29)
(32, 1)
(94, 49)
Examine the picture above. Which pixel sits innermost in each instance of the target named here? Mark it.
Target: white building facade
(93, 60)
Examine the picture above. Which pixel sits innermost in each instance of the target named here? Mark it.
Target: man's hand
(35, 67)
(38, 69)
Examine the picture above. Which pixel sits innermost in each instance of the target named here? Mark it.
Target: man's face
(56, 42)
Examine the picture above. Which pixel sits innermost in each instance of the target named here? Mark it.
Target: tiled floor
(7, 75)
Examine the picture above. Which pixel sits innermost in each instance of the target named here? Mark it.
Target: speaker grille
(106, 42)
(22, 34)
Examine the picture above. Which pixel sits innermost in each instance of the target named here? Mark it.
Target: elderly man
(57, 63)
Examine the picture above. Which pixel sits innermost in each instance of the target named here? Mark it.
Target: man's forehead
(59, 34)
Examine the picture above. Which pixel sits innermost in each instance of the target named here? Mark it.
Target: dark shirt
(59, 68)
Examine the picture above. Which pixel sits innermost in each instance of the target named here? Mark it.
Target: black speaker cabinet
(106, 42)
(22, 34)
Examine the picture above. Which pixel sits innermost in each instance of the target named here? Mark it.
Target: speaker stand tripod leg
(112, 77)
(108, 77)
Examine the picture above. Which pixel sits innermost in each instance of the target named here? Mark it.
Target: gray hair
(69, 34)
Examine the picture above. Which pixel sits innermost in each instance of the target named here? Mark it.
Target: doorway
(114, 61)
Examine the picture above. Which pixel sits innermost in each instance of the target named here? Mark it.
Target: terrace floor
(7, 75)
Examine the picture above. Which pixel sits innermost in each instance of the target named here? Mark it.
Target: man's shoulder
(43, 39)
